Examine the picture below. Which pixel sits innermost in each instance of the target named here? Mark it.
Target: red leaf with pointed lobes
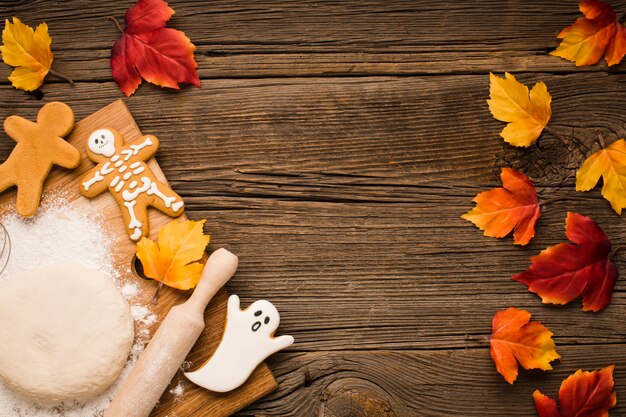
(514, 207)
(582, 394)
(562, 273)
(149, 50)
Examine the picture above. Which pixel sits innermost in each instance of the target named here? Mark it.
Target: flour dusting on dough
(62, 231)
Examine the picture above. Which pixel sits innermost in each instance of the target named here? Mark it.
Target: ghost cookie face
(248, 340)
(122, 170)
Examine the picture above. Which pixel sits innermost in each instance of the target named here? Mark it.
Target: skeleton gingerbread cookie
(248, 340)
(123, 171)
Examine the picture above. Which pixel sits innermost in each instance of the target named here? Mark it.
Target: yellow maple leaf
(610, 164)
(174, 260)
(29, 51)
(527, 113)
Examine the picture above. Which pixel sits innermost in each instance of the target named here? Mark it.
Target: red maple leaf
(588, 394)
(562, 273)
(149, 50)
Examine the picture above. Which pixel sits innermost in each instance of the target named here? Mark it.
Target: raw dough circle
(65, 332)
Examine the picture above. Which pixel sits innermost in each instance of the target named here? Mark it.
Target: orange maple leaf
(527, 113)
(610, 164)
(581, 394)
(174, 259)
(516, 339)
(597, 33)
(513, 207)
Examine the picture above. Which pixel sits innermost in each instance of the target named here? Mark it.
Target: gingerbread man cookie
(123, 171)
(39, 146)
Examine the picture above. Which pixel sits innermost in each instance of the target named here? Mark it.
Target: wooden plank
(425, 130)
(66, 183)
(429, 383)
(309, 38)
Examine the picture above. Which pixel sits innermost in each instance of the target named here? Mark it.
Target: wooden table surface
(333, 146)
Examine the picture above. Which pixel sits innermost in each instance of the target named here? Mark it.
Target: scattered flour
(60, 231)
(178, 390)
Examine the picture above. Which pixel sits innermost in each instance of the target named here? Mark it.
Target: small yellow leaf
(527, 114)
(29, 51)
(174, 260)
(610, 164)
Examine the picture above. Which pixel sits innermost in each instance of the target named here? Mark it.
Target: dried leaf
(174, 259)
(516, 339)
(513, 207)
(610, 164)
(562, 273)
(595, 34)
(149, 50)
(582, 394)
(527, 113)
(29, 51)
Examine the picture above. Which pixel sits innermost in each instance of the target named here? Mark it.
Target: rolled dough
(65, 332)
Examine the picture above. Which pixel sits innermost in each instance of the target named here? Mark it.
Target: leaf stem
(61, 76)
(155, 298)
(119, 27)
(616, 249)
(601, 139)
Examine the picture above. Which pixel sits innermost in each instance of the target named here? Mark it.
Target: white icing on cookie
(139, 170)
(127, 175)
(132, 195)
(114, 182)
(122, 169)
(154, 190)
(97, 178)
(177, 205)
(106, 168)
(131, 210)
(135, 165)
(132, 185)
(248, 340)
(119, 163)
(119, 187)
(136, 234)
(115, 158)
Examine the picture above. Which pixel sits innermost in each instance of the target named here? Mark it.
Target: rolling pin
(167, 350)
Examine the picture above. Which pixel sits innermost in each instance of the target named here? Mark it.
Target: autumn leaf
(562, 273)
(588, 394)
(610, 164)
(516, 339)
(149, 50)
(173, 260)
(29, 51)
(595, 34)
(513, 207)
(527, 113)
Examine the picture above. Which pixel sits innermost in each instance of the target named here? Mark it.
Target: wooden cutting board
(195, 401)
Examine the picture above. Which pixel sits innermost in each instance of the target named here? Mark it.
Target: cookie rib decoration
(123, 171)
(248, 340)
(40, 145)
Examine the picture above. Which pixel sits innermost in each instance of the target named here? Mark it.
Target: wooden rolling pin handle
(171, 343)
(220, 266)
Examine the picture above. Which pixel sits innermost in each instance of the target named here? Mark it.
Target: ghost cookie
(248, 340)
(123, 171)
(40, 145)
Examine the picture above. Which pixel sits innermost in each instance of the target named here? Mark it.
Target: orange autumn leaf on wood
(588, 394)
(562, 273)
(148, 50)
(610, 164)
(513, 207)
(174, 259)
(28, 51)
(595, 34)
(527, 113)
(516, 339)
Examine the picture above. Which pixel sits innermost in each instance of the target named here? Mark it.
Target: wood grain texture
(333, 146)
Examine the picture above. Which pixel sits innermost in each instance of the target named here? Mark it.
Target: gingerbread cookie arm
(18, 128)
(7, 171)
(65, 154)
(165, 200)
(94, 182)
(141, 149)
